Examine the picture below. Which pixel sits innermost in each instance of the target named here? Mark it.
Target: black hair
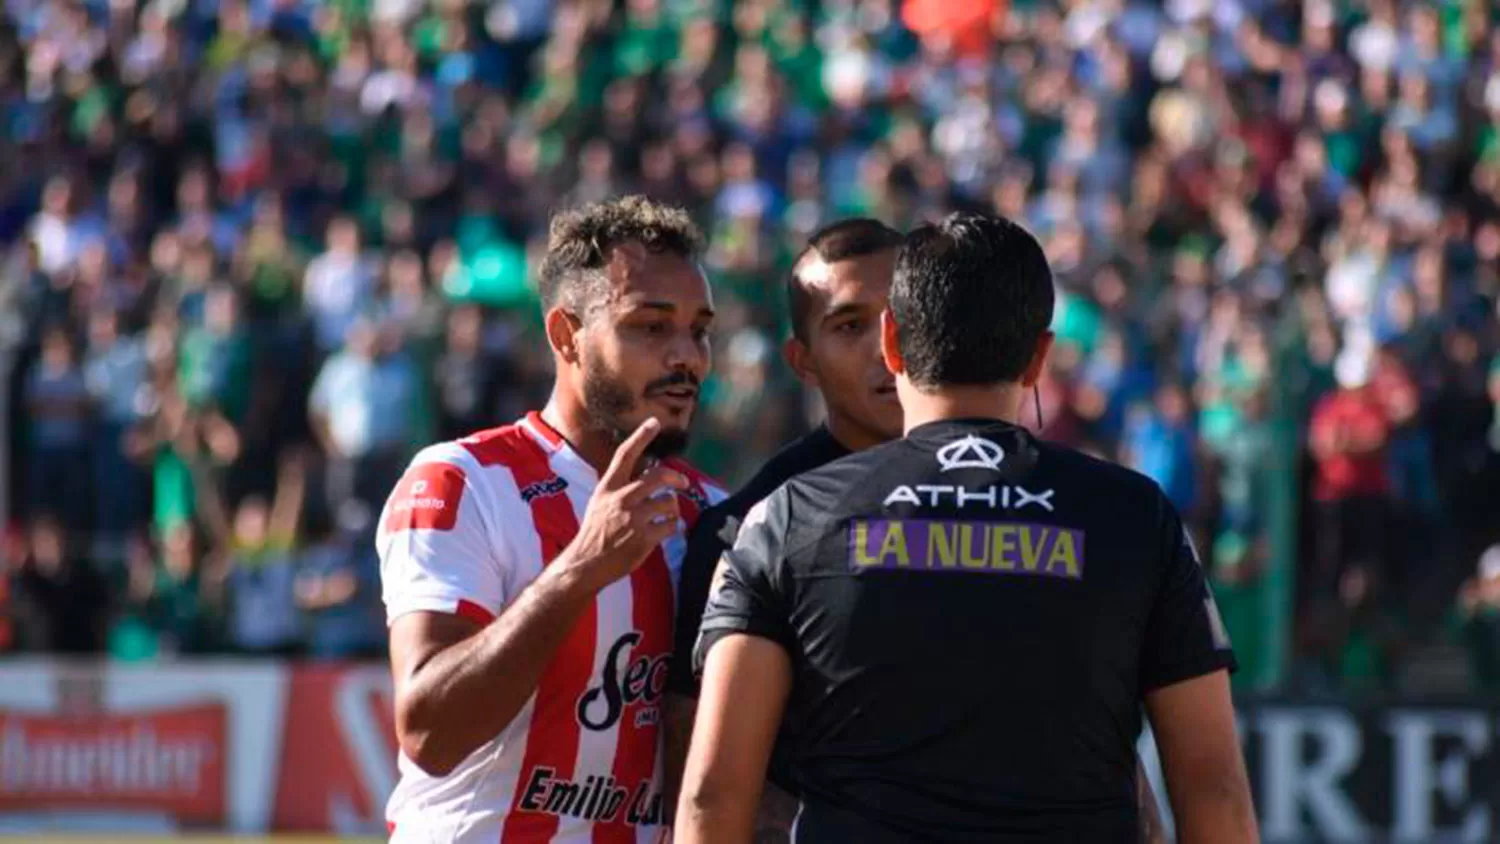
(971, 297)
(852, 238)
(580, 241)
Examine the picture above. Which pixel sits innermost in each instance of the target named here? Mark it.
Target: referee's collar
(1015, 440)
(942, 429)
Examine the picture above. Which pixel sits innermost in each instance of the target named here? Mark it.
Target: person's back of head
(972, 303)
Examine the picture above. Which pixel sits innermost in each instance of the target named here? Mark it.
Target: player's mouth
(678, 399)
(886, 391)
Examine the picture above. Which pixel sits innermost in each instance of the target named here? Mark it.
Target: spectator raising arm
(291, 492)
(212, 509)
(323, 592)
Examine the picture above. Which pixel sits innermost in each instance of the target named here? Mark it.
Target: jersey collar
(565, 461)
(942, 429)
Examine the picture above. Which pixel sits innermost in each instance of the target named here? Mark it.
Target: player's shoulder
(808, 452)
(491, 462)
(449, 452)
(499, 449)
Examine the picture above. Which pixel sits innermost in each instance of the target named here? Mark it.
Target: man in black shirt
(838, 287)
(953, 633)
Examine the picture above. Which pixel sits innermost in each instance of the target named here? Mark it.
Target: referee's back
(973, 618)
(951, 636)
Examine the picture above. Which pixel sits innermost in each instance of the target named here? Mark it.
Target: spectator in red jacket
(1352, 485)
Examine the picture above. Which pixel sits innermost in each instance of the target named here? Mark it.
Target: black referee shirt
(973, 617)
(714, 533)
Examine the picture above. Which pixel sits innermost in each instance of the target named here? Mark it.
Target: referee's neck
(936, 404)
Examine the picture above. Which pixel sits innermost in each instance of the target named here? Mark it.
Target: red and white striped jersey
(467, 527)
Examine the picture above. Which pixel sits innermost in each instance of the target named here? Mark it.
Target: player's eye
(701, 333)
(657, 329)
(853, 326)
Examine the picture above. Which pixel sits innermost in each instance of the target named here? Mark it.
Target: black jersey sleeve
(1185, 636)
(711, 536)
(747, 595)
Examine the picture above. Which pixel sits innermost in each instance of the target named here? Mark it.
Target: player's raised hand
(632, 510)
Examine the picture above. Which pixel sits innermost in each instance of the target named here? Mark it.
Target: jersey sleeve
(712, 535)
(437, 553)
(1185, 636)
(747, 594)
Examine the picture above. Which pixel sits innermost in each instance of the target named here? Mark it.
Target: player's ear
(890, 346)
(1033, 371)
(563, 328)
(797, 356)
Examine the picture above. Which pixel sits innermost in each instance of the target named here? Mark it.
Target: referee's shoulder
(1119, 486)
(833, 479)
(797, 457)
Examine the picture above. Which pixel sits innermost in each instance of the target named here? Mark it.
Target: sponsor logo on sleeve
(997, 548)
(730, 531)
(1216, 624)
(427, 498)
(1190, 546)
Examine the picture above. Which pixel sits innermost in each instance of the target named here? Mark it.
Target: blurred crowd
(259, 251)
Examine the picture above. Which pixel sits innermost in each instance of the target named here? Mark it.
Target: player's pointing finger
(622, 466)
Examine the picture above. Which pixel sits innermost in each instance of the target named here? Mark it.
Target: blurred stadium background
(253, 253)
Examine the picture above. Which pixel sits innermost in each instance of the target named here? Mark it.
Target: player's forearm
(1214, 812)
(721, 816)
(467, 693)
(773, 820)
(767, 821)
(677, 733)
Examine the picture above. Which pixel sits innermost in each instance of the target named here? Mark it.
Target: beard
(610, 403)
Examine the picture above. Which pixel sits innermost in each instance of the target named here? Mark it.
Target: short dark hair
(580, 241)
(855, 237)
(971, 297)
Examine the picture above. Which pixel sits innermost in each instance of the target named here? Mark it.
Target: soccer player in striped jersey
(529, 571)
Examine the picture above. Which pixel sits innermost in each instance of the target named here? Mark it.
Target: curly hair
(580, 241)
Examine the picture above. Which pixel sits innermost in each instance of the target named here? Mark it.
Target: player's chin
(671, 441)
(885, 412)
(675, 419)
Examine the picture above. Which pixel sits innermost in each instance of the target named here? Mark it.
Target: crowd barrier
(252, 747)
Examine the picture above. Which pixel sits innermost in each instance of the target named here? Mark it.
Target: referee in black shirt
(954, 632)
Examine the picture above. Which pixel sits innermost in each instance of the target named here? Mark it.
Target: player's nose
(686, 354)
